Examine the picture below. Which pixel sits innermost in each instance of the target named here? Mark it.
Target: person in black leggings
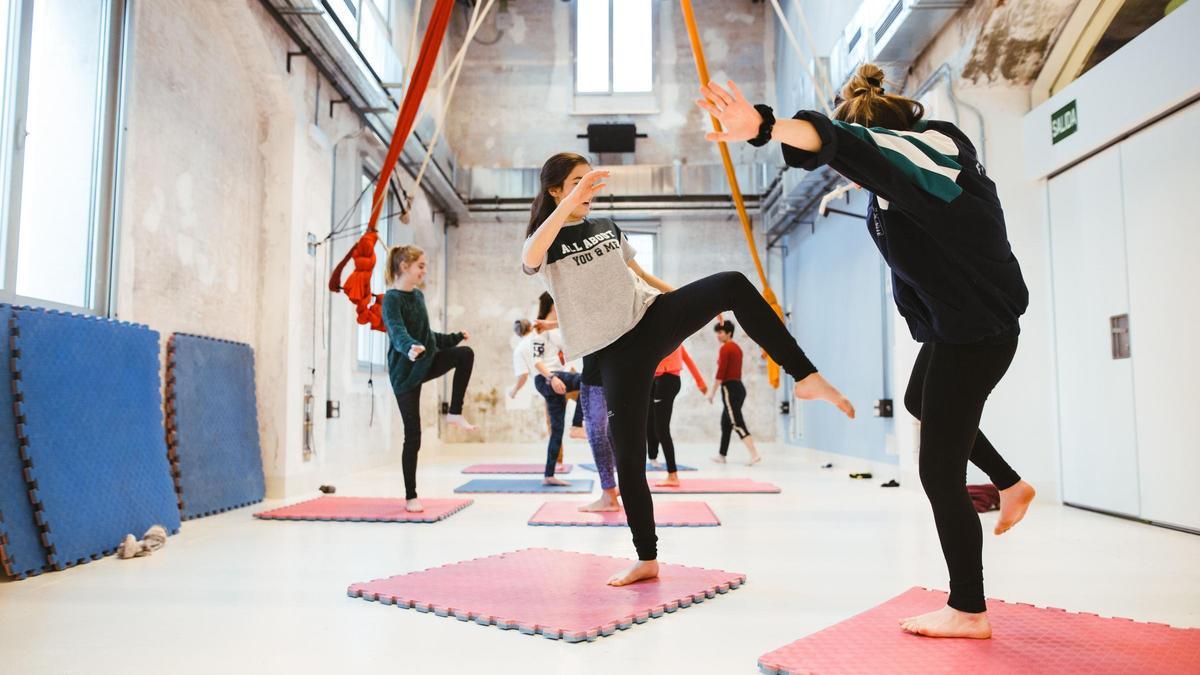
(609, 306)
(946, 392)
(416, 354)
(667, 384)
(937, 220)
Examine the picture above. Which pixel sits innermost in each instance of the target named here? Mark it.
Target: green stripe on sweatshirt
(925, 158)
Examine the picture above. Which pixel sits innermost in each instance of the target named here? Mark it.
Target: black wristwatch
(764, 129)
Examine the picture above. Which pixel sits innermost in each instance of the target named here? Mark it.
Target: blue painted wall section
(835, 290)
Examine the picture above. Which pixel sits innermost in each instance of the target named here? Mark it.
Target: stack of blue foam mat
(212, 425)
(21, 550)
(89, 428)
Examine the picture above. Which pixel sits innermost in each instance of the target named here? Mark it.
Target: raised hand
(466, 335)
(738, 118)
(588, 186)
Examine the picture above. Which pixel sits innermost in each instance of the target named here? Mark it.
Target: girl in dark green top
(417, 355)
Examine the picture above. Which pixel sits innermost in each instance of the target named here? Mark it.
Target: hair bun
(867, 79)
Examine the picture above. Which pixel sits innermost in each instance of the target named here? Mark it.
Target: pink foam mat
(1025, 639)
(366, 509)
(538, 469)
(557, 594)
(716, 486)
(666, 514)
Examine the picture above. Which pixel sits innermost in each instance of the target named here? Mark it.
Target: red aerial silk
(358, 284)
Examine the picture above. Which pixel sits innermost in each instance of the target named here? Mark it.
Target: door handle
(1119, 335)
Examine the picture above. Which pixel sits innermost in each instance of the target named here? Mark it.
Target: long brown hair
(865, 102)
(397, 256)
(554, 175)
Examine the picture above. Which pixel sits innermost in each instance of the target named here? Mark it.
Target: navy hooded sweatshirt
(936, 219)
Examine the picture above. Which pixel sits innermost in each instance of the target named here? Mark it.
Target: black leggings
(946, 392)
(627, 368)
(658, 421)
(459, 359)
(733, 395)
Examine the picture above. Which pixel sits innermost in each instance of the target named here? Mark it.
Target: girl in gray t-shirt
(609, 307)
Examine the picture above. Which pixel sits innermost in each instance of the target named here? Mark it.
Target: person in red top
(733, 393)
(662, 401)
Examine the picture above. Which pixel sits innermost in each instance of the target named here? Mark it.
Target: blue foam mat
(523, 486)
(91, 430)
(21, 549)
(212, 421)
(649, 467)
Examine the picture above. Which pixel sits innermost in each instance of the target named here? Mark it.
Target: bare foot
(672, 480)
(554, 480)
(460, 422)
(1013, 503)
(578, 433)
(949, 622)
(414, 506)
(641, 570)
(560, 468)
(656, 465)
(607, 503)
(817, 388)
(754, 459)
(719, 459)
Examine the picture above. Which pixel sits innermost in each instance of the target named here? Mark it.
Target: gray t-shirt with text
(598, 297)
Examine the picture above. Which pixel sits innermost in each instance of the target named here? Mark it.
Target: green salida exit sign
(1064, 122)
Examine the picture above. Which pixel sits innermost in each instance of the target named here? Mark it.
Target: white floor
(234, 595)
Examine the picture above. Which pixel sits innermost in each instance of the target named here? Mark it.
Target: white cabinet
(1125, 240)
(1087, 243)
(1160, 169)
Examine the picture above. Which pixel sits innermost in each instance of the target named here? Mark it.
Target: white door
(1161, 178)
(1087, 242)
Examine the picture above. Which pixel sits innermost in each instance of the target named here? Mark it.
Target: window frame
(387, 231)
(633, 97)
(104, 208)
(649, 228)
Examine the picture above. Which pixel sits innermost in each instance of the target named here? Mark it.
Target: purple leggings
(595, 415)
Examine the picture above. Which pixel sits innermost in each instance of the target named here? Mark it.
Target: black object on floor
(827, 466)
(327, 489)
(890, 483)
(861, 476)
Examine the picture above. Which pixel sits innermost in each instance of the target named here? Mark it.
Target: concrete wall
(514, 103)
(488, 292)
(226, 173)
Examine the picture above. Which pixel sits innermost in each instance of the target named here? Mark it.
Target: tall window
(614, 47)
(58, 107)
(646, 245)
(372, 344)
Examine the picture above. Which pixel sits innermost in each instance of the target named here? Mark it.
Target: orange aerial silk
(689, 18)
(358, 285)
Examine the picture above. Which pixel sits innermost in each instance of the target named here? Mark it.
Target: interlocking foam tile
(523, 486)
(666, 514)
(514, 468)
(695, 486)
(212, 425)
(1025, 639)
(21, 549)
(649, 467)
(90, 425)
(366, 509)
(557, 594)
